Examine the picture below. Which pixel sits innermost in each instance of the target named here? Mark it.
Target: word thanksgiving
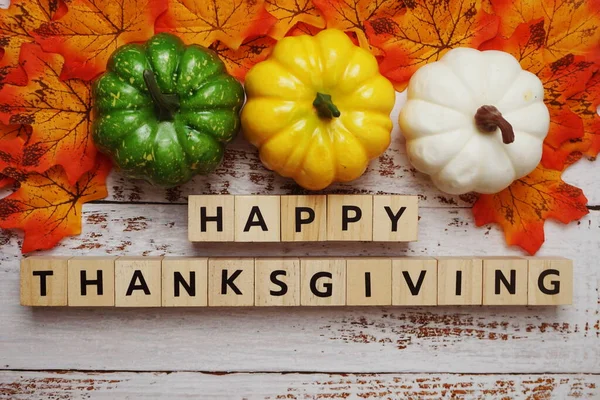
(289, 281)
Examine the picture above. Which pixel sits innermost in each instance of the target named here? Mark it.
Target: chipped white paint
(420, 341)
(190, 385)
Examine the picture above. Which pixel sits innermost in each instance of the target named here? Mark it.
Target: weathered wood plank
(18, 385)
(445, 339)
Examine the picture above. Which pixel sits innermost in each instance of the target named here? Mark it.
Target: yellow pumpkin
(318, 109)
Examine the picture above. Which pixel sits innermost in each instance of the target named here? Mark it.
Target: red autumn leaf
(304, 29)
(91, 30)
(48, 208)
(585, 104)
(364, 18)
(5, 181)
(291, 12)
(59, 113)
(16, 27)
(206, 21)
(561, 79)
(9, 167)
(524, 206)
(239, 61)
(428, 30)
(572, 27)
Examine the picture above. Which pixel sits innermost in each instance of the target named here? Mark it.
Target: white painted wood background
(303, 353)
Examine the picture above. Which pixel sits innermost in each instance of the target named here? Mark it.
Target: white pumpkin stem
(488, 119)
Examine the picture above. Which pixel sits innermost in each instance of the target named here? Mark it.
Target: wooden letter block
(550, 281)
(303, 218)
(211, 218)
(460, 281)
(277, 282)
(44, 281)
(395, 218)
(91, 281)
(230, 282)
(369, 282)
(184, 282)
(322, 282)
(138, 281)
(257, 219)
(350, 217)
(414, 281)
(504, 281)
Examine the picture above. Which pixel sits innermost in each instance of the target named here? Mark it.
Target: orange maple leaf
(239, 61)
(365, 18)
(571, 27)
(428, 30)
(523, 207)
(586, 104)
(562, 79)
(292, 12)
(59, 113)
(16, 27)
(91, 30)
(206, 21)
(5, 181)
(48, 208)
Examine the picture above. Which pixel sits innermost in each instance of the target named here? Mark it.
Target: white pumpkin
(463, 146)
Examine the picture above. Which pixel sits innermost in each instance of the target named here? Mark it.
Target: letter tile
(91, 281)
(504, 281)
(230, 282)
(550, 281)
(350, 217)
(369, 281)
(303, 218)
(184, 282)
(44, 281)
(414, 281)
(211, 218)
(395, 218)
(277, 281)
(460, 281)
(257, 219)
(138, 282)
(322, 282)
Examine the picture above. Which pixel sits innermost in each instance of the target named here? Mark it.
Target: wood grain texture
(137, 218)
(391, 339)
(255, 386)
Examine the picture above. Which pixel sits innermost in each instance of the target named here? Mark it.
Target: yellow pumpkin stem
(325, 107)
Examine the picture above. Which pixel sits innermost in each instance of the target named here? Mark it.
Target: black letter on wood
(555, 284)
(301, 221)
(414, 289)
(458, 283)
(137, 275)
(179, 280)
(218, 219)
(281, 284)
(346, 219)
(510, 286)
(394, 217)
(225, 281)
(328, 286)
(255, 212)
(84, 282)
(43, 275)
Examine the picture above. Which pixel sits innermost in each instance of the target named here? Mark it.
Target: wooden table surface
(303, 353)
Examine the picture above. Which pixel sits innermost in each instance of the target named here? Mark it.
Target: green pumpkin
(165, 111)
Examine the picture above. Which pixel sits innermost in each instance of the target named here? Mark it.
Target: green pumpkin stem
(325, 107)
(166, 105)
